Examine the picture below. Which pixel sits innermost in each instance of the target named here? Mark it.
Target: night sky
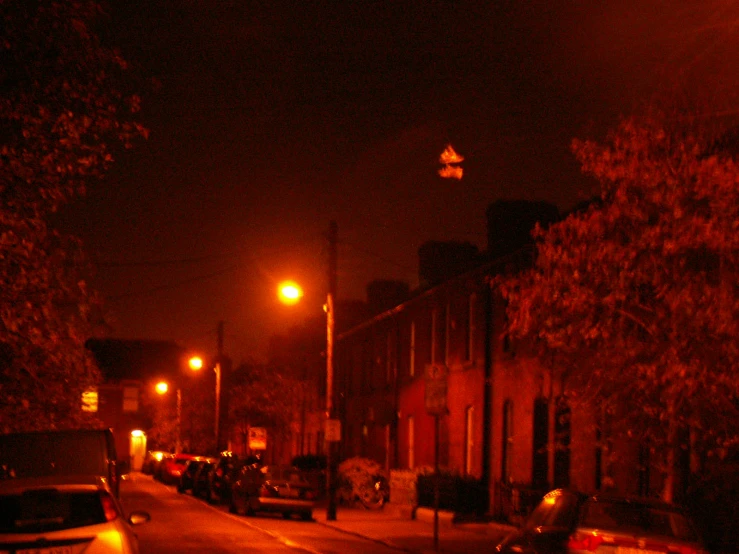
(270, 119)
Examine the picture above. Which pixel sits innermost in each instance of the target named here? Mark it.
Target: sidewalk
(394, 526)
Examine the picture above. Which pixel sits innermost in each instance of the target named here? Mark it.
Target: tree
(262, 396)
(636, 295)
(63, 105)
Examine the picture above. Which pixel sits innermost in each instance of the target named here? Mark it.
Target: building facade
(506, 421)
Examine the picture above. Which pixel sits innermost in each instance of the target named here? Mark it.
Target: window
(90, 400)
(539, 478)
(447, 330)
(470, 339)
(411, 442)
(388, 446)
(432, 342)
(130, 399)
(412, 366)
(389, 373)
(469, 440)
(562, 436)
(507, 451)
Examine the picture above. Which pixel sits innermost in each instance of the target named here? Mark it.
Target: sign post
(435, 397)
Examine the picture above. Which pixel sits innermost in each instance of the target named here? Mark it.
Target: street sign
(333, 430)
(436, 389)
(257, 438)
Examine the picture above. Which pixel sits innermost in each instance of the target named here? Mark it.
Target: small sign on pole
(436, 389)
(257, 438)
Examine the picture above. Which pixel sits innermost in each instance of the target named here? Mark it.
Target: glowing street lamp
(195, 363)
(289, 292)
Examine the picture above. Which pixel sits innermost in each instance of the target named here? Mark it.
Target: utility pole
(330, 432)
(218, 387)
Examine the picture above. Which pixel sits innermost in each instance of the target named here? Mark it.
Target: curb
(427, 515)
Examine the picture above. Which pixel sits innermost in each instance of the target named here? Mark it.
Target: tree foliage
(63, 105)
(266, 397)
(635, 298)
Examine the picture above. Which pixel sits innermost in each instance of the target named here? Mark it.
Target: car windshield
(636, 517)
(50, 510)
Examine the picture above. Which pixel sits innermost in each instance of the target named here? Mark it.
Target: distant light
(162, 387)
(195, 363)
(447, 158)
(290, 292)
(451, 172)
(137, 433)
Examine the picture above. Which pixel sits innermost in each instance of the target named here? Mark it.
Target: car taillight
(109, 507)
(587, 542)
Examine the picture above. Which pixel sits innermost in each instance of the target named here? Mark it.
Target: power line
(173, 285)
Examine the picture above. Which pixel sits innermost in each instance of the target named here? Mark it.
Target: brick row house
(507, 423)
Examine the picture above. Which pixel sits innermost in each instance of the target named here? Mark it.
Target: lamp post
(290, 293)
(333, 427)
(162, 388)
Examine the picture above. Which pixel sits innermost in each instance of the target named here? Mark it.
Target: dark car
(273, 488)
(61, 453)
(570, 522)
(220, 479)
(201, 478)
(187, 478)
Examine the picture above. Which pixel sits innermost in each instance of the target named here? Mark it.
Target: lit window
(469, 439)
(411, 442)
(90, 400)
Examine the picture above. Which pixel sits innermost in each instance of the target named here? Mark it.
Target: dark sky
(270, 119)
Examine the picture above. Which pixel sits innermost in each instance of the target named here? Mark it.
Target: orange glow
(449, 156)
(289, 292)
(162, 387)
(195, 363)
(451, 172)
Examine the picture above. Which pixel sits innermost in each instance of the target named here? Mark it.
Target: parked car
(220, 479)
(65, 514)
(61, 453)
(201, 478)
(273, 488)
(187, 478)
(172, 467)
(151, 462)
(567, 521)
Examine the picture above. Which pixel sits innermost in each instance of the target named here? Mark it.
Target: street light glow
(290, 292)
(162, 387)
(195, 363)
